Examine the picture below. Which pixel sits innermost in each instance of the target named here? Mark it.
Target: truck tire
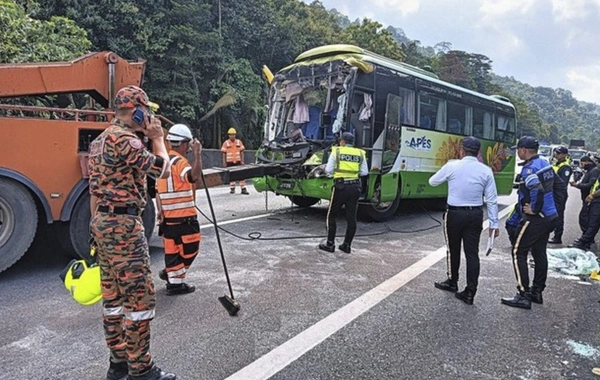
(18, 222)
(303, 202)
(76, 233)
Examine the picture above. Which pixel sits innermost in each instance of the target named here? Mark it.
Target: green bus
(408, 121)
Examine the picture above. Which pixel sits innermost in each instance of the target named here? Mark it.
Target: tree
(372, 36)
(25, 39)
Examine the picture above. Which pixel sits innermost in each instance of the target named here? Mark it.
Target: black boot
(328, 246)
(162, 274)
(536, 296)
(154, 374)
(448, 285)
(345, 247)
(176, 289)
(117, 371)
(466, 296)
(520, 300)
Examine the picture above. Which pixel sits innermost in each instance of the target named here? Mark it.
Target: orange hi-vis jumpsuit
(180, 228)
(233, 151)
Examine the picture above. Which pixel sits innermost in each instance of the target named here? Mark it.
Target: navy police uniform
(535, 190)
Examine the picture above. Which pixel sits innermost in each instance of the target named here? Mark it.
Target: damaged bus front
(405, 118)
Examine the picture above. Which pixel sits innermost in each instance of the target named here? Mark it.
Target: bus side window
(483, 124)
(432, 112)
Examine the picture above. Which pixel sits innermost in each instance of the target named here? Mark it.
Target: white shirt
(468, 182)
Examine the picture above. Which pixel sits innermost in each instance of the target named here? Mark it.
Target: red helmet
(131, 97)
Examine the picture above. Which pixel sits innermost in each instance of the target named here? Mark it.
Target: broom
(228, 302)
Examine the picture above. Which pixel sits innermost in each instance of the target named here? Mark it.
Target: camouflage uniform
(118, 165)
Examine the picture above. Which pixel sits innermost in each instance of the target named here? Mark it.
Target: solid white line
(280, 357)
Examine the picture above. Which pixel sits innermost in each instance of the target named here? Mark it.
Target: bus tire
(75, 238)
(18, 222)
(303, 202)
(380, 212)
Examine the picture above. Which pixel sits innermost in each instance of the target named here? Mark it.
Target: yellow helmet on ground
(83, 282)
(231, 131)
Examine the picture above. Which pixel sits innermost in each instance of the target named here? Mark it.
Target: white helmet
(179, 132)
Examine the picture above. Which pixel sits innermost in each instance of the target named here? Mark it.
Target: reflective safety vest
(176, 193)
(348, 160)
(594, 187)
(233, 150)
(557, 166)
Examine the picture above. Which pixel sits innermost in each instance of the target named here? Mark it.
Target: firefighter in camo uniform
(118, 165)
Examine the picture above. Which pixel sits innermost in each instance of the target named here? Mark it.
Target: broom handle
(212, 213)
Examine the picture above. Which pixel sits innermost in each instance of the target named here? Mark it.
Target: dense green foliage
(199, 50)
(25, 39)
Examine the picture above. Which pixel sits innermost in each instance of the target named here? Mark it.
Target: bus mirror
(325, 119)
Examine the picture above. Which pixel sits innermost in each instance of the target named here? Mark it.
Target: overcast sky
(551, 43)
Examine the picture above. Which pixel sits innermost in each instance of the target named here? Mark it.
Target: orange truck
(43, 150)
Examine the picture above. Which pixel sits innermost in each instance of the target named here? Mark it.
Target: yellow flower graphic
(495, 156)
(449, 150)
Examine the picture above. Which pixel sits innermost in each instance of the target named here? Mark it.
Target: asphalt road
(306, 314)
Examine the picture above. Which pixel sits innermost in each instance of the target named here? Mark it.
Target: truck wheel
(76, 233)
(18, 222)
(303, 202)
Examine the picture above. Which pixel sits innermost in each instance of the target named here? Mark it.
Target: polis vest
(347, 162)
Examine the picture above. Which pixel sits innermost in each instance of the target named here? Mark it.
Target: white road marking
(288, 352)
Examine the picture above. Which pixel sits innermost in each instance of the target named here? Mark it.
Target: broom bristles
(231, 305)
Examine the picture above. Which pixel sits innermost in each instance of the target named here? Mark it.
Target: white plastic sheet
(572, 261)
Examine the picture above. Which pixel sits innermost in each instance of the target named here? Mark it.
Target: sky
(550, 43)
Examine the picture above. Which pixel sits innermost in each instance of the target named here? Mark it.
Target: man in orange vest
(176, 200)
(233, 155)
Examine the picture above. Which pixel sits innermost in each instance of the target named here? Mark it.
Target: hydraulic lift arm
(97, 74)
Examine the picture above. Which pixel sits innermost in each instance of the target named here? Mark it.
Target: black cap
(348, 137)
(471, 143)
(586, 159)
(561, 150)
(527, 142)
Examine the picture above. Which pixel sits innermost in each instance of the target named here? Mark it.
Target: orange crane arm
(98, 74)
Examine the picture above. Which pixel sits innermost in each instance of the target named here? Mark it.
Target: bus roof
(342, 51)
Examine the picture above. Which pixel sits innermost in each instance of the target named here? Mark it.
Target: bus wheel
(380, 212)
(76, 233)
(18, 222)
(303, 201)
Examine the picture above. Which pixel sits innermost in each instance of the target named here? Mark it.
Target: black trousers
(593, 225)
(560, 204)
(463, 226)
(532, 235)
(583, 216)
(343, 195)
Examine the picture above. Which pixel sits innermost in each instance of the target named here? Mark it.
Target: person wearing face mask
(592, 172)
(177, 214)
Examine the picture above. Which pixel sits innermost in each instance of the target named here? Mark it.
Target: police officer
(593, 221)
(468, 182)
(538, 212)
(178, 217)
(563, 171)
(118, 165)
(347, 164)
(592, 172)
